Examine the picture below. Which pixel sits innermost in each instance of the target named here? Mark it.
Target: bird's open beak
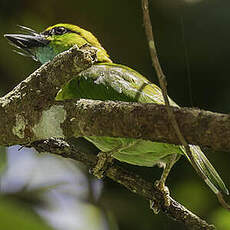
(26, 42)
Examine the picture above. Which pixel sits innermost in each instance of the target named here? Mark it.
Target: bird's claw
(154, 206)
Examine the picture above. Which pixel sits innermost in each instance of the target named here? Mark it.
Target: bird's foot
(104, 161)
(165, 191)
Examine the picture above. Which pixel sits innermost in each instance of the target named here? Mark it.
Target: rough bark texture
(27, 101)
(30, 106)
(21, 109)
(147, 121)
(130, 180)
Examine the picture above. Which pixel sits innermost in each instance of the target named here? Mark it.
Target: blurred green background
(198, 30)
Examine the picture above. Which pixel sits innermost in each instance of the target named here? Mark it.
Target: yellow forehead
(84, 33)
(68, 26)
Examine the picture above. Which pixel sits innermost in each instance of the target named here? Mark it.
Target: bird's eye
(59, 30)
(56, 31)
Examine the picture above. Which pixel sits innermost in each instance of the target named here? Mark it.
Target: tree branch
(89, 117)
(163, 85)
(21, 109)
(145, 121)
(22, 112)
(131, 181)
(29, 112)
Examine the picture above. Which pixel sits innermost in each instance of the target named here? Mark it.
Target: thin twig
(163, 85)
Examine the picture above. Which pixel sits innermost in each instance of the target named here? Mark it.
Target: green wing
(120, 83)
(112, 82)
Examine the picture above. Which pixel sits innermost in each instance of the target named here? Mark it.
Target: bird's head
(55, 39)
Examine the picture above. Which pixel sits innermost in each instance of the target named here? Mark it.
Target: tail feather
(207, 171)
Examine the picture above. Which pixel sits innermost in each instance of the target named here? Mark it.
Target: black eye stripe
(59, 30)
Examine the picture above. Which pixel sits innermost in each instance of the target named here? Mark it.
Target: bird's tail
(206, 170)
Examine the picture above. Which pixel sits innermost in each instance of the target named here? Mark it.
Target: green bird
(107, 81)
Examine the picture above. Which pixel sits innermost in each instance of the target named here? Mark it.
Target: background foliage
(200, 28)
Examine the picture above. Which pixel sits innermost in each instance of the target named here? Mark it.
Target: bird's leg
(104, 160)
(160, 184)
